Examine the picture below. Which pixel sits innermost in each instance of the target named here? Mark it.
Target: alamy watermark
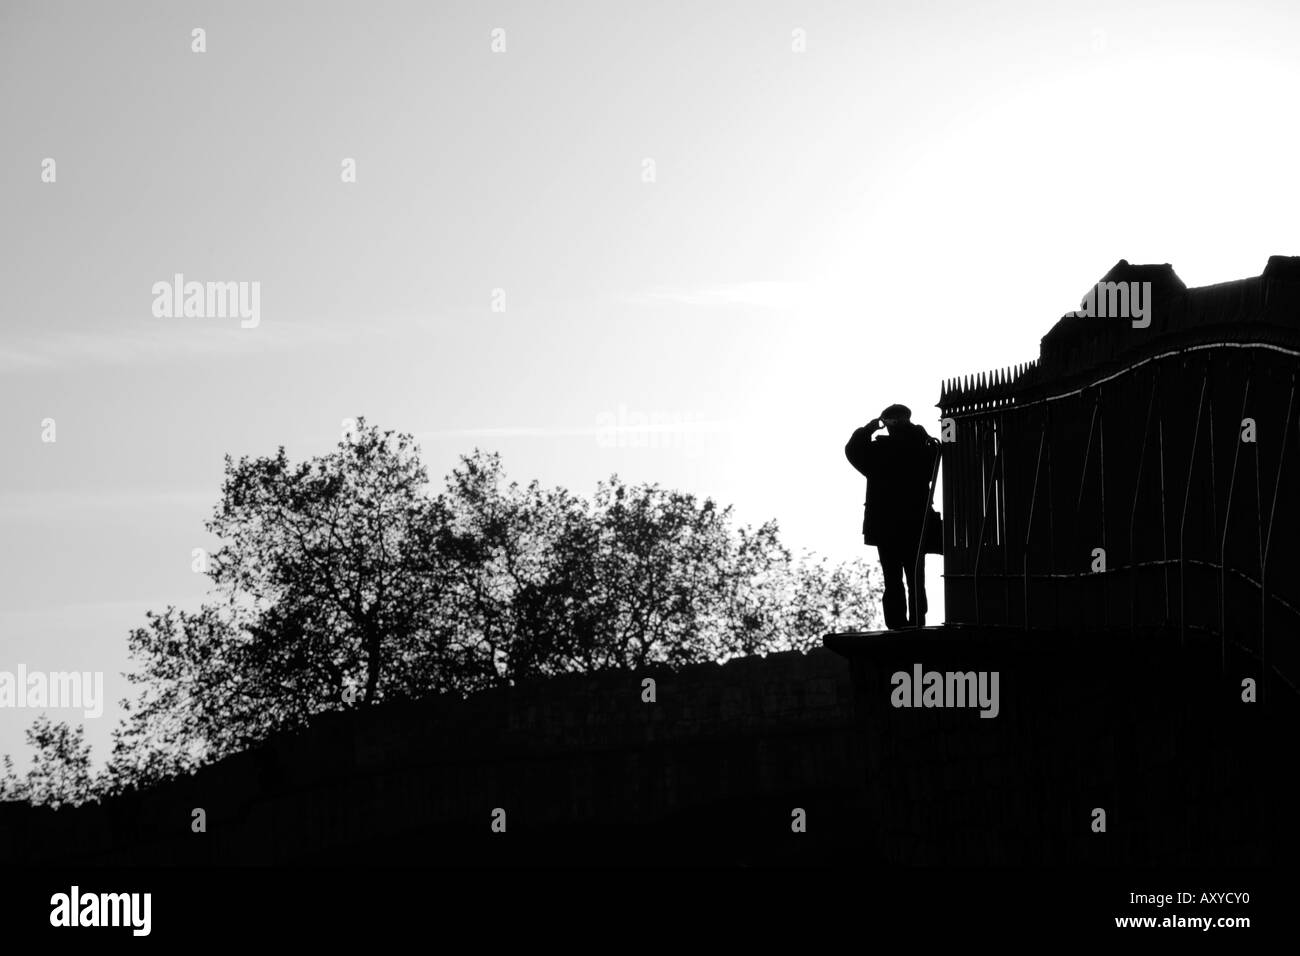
(633, 428)
(76, 908)
(54, 690)
(946, 689)
(208, 300)
(1118, 300)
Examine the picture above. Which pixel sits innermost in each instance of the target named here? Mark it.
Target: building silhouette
(1139, 476)
(1120, 548)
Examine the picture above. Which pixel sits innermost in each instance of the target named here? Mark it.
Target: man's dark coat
(897, 468)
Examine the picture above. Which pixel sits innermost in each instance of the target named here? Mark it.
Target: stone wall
(1154, 733)
(583, 767)
(1150, 731)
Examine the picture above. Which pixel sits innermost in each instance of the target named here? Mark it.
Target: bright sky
(918, 194)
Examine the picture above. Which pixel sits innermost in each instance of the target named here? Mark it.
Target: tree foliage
(343, 581)
(61, 767)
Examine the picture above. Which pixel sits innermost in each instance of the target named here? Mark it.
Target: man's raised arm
(859, 451)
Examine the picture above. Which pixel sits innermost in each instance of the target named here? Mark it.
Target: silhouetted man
(898, 468)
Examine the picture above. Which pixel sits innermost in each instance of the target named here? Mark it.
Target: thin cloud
(763, 295)
(165, 340)
(96, 609)
(44, 505)
(569, 431)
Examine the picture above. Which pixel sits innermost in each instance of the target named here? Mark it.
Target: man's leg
(915, 588)
(894, 601)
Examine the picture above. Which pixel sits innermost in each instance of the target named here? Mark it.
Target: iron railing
(1155, 491)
